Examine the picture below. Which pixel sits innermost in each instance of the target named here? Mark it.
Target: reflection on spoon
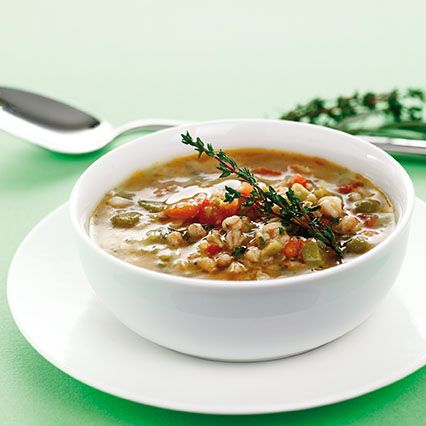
(61, 127)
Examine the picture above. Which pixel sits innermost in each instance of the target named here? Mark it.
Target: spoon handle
(387, 144)
(148, 124)
(401, 146)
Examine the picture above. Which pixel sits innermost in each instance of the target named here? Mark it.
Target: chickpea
(196, 231)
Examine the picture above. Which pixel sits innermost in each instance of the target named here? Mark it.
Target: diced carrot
(245, 189)
(371, 221)
(213, 249)
(228, 209)
(266, 172)
(350, 187)
(293, 249)
(183, 210)
(207, 214)
(213, 214)
(299, 179)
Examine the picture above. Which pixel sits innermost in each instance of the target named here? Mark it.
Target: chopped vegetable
(245, 189)
(213, 249)
(182, 210)
(273, 248)
(152, 206)
(302, 193)
(293, 248)
(300, 180)
(367, 206)
(357, 245)
(350, 187)
(156, 235)
(370, 220)
(214, 214)
(321, 191)
(124, 194)
(125, 220)
(311, 254)
(266, 172)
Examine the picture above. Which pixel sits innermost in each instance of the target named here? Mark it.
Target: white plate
(60, 316)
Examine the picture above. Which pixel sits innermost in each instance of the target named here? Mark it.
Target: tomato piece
(299, 179)
(266, 172)
(350, 187)
(369, 220)
(205, 216)
(293, 249)
(245, 189)
(228, 209)
(182, 210)
(213, 249)
(213, 214)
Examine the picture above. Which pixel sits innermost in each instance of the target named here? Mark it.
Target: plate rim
(168, 404)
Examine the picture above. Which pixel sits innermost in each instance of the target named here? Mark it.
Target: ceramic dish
(244, 321)
(59, 314)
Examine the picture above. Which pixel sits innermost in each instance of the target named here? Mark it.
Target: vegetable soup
(291, 214)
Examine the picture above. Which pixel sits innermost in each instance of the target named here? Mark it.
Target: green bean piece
(311, 254)
(157, 235)
(152, 206)
(125, 220)
(124, 194)
(368, 206)
(357, 245)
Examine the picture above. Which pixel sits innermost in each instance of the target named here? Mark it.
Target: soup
(176, 218)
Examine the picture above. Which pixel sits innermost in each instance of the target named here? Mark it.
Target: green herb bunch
(393, 114)
(268, 202)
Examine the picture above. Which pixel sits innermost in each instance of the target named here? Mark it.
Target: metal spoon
(60, 127)
(63, 128)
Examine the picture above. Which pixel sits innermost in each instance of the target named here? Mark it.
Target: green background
(190, 60)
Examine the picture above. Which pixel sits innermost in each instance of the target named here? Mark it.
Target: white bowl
(244, 320)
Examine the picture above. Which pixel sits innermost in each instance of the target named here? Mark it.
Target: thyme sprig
(396, 113)
(268, 202)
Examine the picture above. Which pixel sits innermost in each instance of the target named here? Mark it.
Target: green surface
(194, 60)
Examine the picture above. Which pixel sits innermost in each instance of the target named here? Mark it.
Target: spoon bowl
(60, 127)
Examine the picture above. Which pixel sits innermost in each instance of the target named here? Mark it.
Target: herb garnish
(393, 114)
(268, 202)
(239, 251)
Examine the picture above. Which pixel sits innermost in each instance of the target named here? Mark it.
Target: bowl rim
(402, 223)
